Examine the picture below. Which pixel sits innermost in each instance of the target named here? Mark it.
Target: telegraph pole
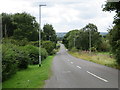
(74, 42)
(90, 40)
(5, 31)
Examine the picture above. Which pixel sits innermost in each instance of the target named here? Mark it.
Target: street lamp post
(40, 33)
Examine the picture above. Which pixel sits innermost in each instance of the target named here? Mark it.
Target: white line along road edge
(97, 76)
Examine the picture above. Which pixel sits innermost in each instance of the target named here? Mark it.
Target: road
(71, 72)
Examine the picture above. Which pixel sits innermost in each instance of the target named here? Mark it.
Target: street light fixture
(40, 33)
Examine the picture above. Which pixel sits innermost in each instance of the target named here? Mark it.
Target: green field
(33, 77)
(102, 58)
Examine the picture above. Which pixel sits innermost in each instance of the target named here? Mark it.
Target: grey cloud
(88, 12)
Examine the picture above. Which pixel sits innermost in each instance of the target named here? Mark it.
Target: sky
(64, 15)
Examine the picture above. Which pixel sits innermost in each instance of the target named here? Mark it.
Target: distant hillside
(103, 33)
(62, 34)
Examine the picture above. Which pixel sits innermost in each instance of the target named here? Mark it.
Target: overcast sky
(64, 15)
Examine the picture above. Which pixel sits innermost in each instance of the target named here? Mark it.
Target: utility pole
(90, 40)
(5, 31)
(49, 38)
(74, 42)
(40, 33)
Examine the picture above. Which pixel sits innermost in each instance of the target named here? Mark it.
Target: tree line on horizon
(80, 39)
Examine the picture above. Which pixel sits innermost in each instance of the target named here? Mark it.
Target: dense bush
(49, 46)
(93, 49)
(44, 53)
(104, 46)
(74, 49)
(13, 57)
(22, 42)
(33, 53)
(9, 64)
(35, 43)
(22, 58)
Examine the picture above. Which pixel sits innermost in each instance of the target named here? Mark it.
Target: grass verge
(99, 58)
(33, 77)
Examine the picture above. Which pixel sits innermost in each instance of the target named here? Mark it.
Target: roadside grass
(33, 77)
(102, 58)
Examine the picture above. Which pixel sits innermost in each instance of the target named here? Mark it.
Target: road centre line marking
(97, 76)
(78, 67)
(71, 62)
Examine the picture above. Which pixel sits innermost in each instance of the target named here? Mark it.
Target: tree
(104, 45)
(80, 38)
(19, 26)
(49, 33)
(114, 33)
(49, 46)
(7, 25)
(95, 36)
(69, 39)
(27, 26)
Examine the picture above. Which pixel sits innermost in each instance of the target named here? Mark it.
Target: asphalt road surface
(71, 72)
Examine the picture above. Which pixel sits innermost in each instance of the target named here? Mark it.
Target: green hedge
(44, 53)
(9, 63)
(22, 58)
(33, 53)
(15, 42)
(49, 46)
(35, 43)
(18, 57)
(13, 58)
